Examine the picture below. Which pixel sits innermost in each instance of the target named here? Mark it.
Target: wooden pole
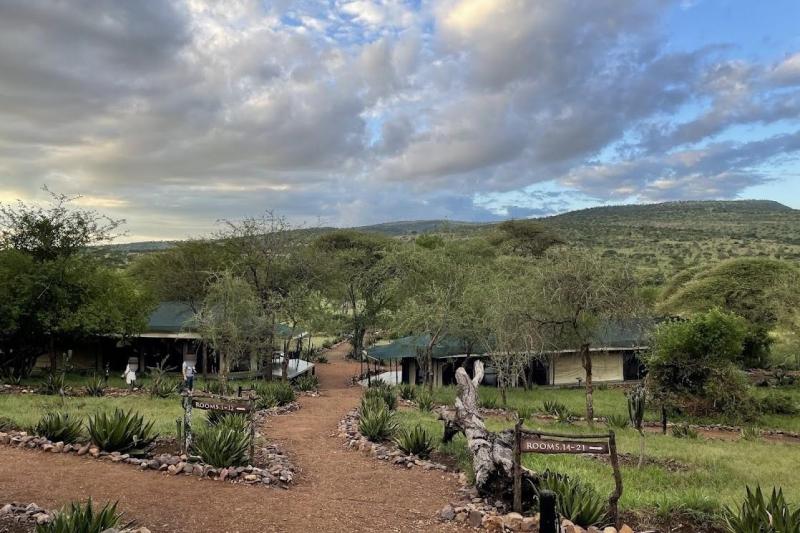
(252, 431)
(548, 517)
(518, 466)
(613, 501)
(187, 422)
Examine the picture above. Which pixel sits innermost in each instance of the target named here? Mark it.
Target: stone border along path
(336, 489)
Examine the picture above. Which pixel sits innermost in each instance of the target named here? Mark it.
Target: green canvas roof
(408, 347)
(178, 317)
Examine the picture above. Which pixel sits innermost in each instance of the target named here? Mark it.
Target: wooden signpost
(209, 402)
(526, 441)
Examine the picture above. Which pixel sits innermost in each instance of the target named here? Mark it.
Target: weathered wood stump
(492, 453)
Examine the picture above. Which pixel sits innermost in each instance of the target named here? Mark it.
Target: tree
(579, 294)
(525, 238)
(232, 320)
(694, 363)
(54, 290)
(360, 272)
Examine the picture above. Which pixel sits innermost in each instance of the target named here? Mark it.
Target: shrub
(52, 384)
(759, 515)
(95, 386)
(778, 404)
(162, 386)
(121, 431)
(222, 446)
(751, 433)
(416, 441)
(213, 387)
(59, 427)
(407, 391)
(307, 382)
(83, 518)
(385, 392)
(424, 401)
(577, 502)
(552, 407)
(377, 421)
(274, 394)
(327, 345)
(236, 421)
(322, 358)
(684, 431)
(617, 421)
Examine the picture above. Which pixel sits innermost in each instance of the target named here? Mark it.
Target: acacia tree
(232, 321)
(360, 272)
(579, 294)
(53, 289)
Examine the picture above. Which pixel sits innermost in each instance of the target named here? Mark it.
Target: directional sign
(539, 445)
(216, 405)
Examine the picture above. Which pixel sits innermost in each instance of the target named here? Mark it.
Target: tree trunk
(429, 368)
(492, 453)
(586, 356)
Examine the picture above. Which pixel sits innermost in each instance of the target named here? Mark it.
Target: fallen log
(492, 453)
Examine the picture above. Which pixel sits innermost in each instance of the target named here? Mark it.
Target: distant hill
(660, 239)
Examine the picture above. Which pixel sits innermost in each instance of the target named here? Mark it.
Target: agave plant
(306, 383)
(52, 384)
(95, 386)
(424, 401)
(636, 403)
(751, 433)
(236, 421)
(273, 394)
(407, 391)
(684, 431)
(577, 502)
(162, 386)
(121, 431)
(384, 391)
(377, 422)
(222, 445)
(617, 421)
(83, 518)
(553, 407)
(59, 427)
(6, 424)
(758, 515)
(416, 441)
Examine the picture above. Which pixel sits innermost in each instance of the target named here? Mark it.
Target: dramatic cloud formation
(175, 114)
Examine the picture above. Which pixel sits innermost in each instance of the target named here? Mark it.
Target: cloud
(174, 114)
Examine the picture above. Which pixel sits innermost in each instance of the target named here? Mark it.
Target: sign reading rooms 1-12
(539, 445)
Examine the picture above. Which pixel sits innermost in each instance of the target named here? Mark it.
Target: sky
(175, 115)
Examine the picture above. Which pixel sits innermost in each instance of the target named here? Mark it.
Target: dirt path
(338, 489)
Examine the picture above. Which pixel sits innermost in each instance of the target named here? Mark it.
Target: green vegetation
(95, 386)
(273, 394)
(306, 383)
(415, 441)
(234, 421)
(83, 518)
(121, 431)
(384, 392)
(759, 515)
(576, 501)
(224, 444)
(377, 421)
(59, 427)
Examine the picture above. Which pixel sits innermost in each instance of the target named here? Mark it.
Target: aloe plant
(222, 445)
(759, 515)
(59, 427)
(576, 501)
(121, 431)
(83, 518)
(377, 422)
(384, 391)
(424, 401)
(95, 386)
(415, 441)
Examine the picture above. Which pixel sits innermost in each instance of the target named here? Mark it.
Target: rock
(83, 450)
(475, 518)
(610, 529)
(187, 468)
(154, 464)
(593, 529)
(7, 508)
(461, 517)
(447, 513)
(493, 523)
(530, 523)
(223, 475)
(42, 518)
(626, 529)
(513, 521)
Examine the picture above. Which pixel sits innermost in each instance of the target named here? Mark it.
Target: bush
(552, 407)
(617, 421)
(327, 345)
(758, 515)
(83, 518)
(377, 421)
(407, 391)
(59, 427)
(322, 358)
(52, 384)
(416, 441)
(236, 421)
(424, 401)
(385, 392)
(273, 394)
(577, 502)
(163, 387)
(222, 446)
(307, 382)
(751, 433)
(778, 404)
(684, 431)
(121, 431)
(95, 386)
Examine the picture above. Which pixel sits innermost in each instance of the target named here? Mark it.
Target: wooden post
(179, 432)
(664, 419)
(252, 430)
(187, 422)
(613, 501)
(518, 466)
(548, 518)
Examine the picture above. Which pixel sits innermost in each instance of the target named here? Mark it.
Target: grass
(26, 409)
(611, 401)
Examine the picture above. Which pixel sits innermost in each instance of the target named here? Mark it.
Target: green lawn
(26, 409)
(611, 401)
(713, 473)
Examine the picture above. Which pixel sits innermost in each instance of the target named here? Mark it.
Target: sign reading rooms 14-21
(539, 445)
